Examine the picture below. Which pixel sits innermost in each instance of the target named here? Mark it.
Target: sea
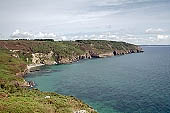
(132, 83)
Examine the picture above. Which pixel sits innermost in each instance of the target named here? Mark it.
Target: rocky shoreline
(40, 59)
(38, 56)
(39, 53)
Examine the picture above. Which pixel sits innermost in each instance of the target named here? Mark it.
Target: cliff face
(42, 58)
(64, 60)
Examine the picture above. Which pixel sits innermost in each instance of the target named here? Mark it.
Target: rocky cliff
(42, 58)
(48, 53)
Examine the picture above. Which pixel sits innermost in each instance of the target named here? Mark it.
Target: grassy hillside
(16, 55)
(63, 48)
(102, 46)
(16, 99)
(9, 66)
(66, 48)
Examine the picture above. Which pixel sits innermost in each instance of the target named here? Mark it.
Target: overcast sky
(139, 19)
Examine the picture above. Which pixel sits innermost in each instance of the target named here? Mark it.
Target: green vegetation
(16, 54)
(64, 49)
(102, 46)
(9, 66)
(23, 100)
(16, 99)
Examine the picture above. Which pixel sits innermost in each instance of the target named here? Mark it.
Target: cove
(133, 83)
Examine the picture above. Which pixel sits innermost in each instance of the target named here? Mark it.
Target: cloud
(45, 35)
(154, 31)
(162, 37)
(26, 35)
(82, 15)
(130, 38)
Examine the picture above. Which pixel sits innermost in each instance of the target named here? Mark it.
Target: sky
(133, 21)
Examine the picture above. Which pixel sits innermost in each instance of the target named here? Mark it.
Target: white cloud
(162, 37)
(23, 35)
(154, 31)
(26, 35)
(40, 35)
(45, 35)
(130, 38)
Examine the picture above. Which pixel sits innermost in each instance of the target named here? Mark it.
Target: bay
(133, 83)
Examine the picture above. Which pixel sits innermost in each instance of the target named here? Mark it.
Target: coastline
(28, 69)
(103, 55)
(23, 56)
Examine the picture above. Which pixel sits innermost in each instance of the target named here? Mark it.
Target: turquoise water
(134, 83)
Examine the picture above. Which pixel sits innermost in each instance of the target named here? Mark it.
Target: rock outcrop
(24, 83)
(42, 58)
(22, 73)
(49, 59)
(65, 60)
